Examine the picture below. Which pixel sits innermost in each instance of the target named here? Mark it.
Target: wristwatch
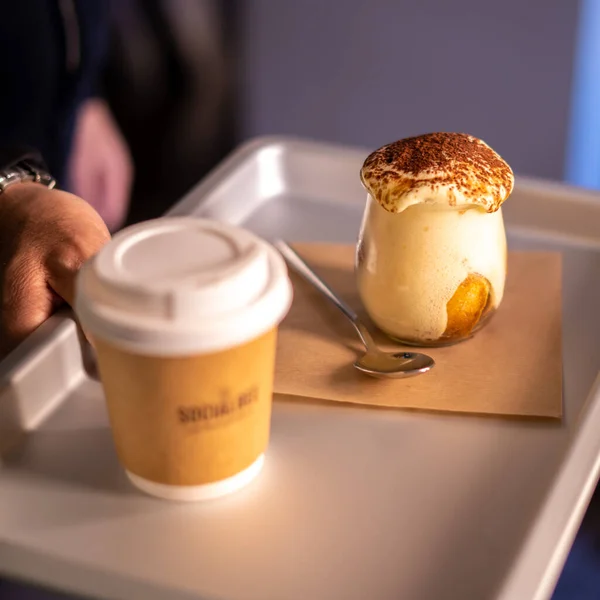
(25, 171)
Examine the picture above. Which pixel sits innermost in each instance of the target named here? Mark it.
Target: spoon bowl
(394, 365)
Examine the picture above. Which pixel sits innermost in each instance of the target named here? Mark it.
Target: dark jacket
(51, 52)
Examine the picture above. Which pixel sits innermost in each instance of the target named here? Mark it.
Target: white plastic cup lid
(183, 285)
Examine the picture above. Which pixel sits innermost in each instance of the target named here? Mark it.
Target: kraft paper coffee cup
(183, 314)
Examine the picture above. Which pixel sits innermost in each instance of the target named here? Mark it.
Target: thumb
(62, 274)
(62, 278)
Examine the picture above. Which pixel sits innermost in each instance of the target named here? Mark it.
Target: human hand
(100, 167)
(45, 237)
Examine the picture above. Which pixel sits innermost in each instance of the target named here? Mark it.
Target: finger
(26, 302)
(87, 184)
(63, 265)
(116, 188)
(62, 280)
(62, 273)
(119, 170)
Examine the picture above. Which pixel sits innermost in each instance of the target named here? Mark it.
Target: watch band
(24, 171)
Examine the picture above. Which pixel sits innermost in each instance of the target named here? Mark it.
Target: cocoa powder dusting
(459, 162)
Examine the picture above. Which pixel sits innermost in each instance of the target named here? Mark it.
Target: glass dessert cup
(433, 274)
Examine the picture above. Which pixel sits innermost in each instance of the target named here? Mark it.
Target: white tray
(353, 503)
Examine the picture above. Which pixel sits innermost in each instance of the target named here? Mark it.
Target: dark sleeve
(14, 153)
(51, 53)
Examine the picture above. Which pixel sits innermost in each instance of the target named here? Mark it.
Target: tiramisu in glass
(431, 256)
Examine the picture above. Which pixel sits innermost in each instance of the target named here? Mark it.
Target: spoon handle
(298, 264)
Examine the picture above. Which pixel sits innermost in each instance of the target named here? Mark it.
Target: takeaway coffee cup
(183, 314)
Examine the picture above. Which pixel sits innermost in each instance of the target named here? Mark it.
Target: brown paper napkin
(513, 366)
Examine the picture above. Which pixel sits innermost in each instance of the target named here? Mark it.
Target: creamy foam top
(454, 169)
